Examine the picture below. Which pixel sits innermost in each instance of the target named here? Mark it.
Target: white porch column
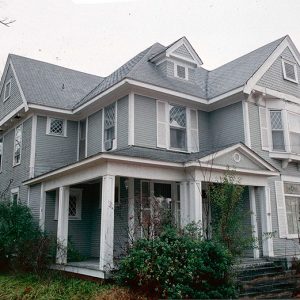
(253, 219)
(131, 209)
(107, 222)
(266, 220)
(184, 204)
(42, 208)
(195, 194)
(62, 224)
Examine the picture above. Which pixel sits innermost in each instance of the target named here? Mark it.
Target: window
(14, 195)
(181, 71)
(109, 126)
(277, 130)
(75, 203)
(177, 119)
(292, 203)
(294, 132)
(1, 153)
(18, 145)
(82, 139)
(289, 71)
(7, 90)
(56, 127)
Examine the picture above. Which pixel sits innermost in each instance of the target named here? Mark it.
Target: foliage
(51, 286)
(178, 265)
(22, 244)
(228, 215)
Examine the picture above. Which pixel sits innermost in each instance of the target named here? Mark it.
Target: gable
(274, 77)
(15, 99)
(183, 51)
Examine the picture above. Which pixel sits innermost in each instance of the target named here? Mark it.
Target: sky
(98, 36)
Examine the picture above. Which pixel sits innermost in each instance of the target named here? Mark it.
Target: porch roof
(166, 158)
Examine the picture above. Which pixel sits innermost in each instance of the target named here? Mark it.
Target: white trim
(114, 141)
(51, 109)
(253, 212)
(21, 145)
(15, 191)
(294, 65)
(86, 136)
(33, 146)
(48, 127)
(19, 86)
(186, 71)
(225, 95)
(9, 82)
(131, 105)
(78, 139)
(246, 123)
(11, 114)
(43, 208)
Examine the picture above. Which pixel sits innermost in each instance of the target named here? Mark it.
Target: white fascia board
(11, 114)
(225, 95)
(51, 109)
(33, 146)
(19, 86)
(266, 65)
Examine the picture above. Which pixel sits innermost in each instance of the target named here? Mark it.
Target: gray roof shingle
(52, 85)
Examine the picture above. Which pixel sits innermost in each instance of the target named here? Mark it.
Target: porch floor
(91, 263)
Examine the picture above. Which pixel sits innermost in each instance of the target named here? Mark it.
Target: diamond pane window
(17, 145)
(177, 121)
(177, 116)
(277, 130)
(109, 122)
(72, 206)
(56, 127)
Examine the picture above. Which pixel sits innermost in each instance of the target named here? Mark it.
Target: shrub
(178, 265)
(22, 244)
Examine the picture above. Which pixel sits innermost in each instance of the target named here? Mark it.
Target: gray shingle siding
(183, 52)
(273, 78)
(226, 125)
(122, 122)
(53, 152)
(20, 172)
(94, 138)
(35, 200)
(145, 121)
(15, 98)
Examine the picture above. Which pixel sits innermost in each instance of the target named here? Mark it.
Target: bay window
(177, 119)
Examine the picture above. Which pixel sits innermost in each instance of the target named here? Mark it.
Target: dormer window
(7, 90)
(181, 71)
(289, 71)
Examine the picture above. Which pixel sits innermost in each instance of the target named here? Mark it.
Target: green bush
(178, 265)
(23, 246)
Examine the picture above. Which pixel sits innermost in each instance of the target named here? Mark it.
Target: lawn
(57, 286)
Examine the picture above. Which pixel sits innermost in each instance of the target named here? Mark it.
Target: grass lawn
(57, 286)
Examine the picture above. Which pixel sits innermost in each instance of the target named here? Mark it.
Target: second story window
(277, 130)
(82, 139)
(18, 145)
(7, 90)
(289, 71)
(109, 126)
(1, 153)
(177, 119)
(56, 127)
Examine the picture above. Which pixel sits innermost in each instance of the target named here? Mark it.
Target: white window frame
(48, 127)
(290, 235)
(116, 127)
(186, 71)
(78, 193)
(15, 191)
(284, 127)
(5, 87)
(1, 153)
(14, 162)
(283, 61)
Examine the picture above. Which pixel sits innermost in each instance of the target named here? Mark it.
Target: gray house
(87, 154)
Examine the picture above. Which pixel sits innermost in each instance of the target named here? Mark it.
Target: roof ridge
(52, 64)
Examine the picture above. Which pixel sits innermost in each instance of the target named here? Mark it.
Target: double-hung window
(277, 130)
(109, 126)
(177, 120)
(18, 145)
(1, 153)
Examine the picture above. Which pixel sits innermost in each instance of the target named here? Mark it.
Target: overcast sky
(98, 36)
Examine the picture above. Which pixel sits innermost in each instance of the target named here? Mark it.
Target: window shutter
(162, 124)
(194, 138)
(263, 128)
(281, 210)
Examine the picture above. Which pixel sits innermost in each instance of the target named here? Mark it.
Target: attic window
(289, 71)
(56, 127)
(181, 72)
(7, 90)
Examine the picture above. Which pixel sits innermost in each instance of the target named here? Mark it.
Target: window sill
(292, 236)
(15, 165)
(56, 135)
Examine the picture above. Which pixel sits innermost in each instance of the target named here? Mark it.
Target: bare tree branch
(6, 22)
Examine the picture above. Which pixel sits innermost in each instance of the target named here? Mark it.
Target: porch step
(264, 279)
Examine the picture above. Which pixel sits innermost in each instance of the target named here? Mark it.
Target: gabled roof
(51, 85)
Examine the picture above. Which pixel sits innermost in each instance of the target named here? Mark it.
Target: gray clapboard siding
(205, 139)
(182, 50)
(144, 121)
(94, 138)
(53, 152)
(122, 122)
(15, 98)
(34, 200)
(226, 125)
(20, 172)
(274, 79)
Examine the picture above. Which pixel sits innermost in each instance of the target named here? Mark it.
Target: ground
(59, 287)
